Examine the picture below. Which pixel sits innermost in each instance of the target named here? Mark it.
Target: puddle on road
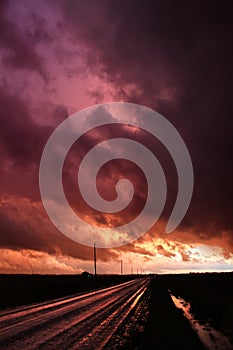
(210, 337)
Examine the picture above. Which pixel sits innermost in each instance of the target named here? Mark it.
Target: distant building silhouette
(85, 274)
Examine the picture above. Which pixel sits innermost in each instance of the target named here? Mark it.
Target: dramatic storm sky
(58, 57)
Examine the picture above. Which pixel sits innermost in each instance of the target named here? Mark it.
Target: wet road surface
(85, 321)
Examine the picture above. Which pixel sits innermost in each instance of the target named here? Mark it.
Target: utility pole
(121, 267)
(94, 259)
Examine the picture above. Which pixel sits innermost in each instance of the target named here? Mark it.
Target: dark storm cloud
(164, 252)
(22, 141)
(18, 237)
(35, 232)
(171, 56)
(107, 178)
(181, 49)
(20, 52)
(20, 136)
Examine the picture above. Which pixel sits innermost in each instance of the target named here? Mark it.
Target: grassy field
(166, 327)
(210, 296)
(211, 299)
